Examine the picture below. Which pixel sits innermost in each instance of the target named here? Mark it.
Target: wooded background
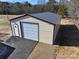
(26, 7)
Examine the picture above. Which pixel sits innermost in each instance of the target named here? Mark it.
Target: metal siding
(45, 30)
(14, 31)
(56, 29)
(12, 28)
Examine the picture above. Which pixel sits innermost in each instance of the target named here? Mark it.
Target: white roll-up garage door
(30, 31)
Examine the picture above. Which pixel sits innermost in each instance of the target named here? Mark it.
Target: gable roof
(45, 16)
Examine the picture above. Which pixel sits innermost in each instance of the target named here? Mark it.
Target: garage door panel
(31, 37)
(29, 28)
(30, 31)
(31, 34)
(33, 26)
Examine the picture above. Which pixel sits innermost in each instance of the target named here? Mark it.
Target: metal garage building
(42, 27)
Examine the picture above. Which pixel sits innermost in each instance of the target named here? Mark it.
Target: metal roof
(45, 16)
(48, 16)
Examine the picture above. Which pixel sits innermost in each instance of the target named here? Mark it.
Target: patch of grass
(4, 23)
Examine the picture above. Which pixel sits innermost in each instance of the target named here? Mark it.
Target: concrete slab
(42, 51)
(23, 47)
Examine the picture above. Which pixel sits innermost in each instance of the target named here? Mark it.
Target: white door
(16, 29)
(30, 31)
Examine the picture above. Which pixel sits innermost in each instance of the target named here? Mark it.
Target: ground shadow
(68, 35)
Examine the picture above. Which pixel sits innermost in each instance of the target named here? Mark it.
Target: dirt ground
(42, 51)
(8, 16)
(67, 52)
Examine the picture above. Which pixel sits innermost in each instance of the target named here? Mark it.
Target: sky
(30, 1)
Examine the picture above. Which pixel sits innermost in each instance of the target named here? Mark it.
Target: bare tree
(73, 10)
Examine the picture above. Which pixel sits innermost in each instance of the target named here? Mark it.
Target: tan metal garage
(42, 27)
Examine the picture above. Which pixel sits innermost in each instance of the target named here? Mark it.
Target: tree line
(14, 8)
(26, 7)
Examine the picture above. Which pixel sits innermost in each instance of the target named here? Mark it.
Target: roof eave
(31, 16)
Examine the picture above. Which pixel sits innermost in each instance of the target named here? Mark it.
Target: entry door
(16, 29)
(30, 31)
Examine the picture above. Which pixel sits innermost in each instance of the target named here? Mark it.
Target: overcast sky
(30, 1)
